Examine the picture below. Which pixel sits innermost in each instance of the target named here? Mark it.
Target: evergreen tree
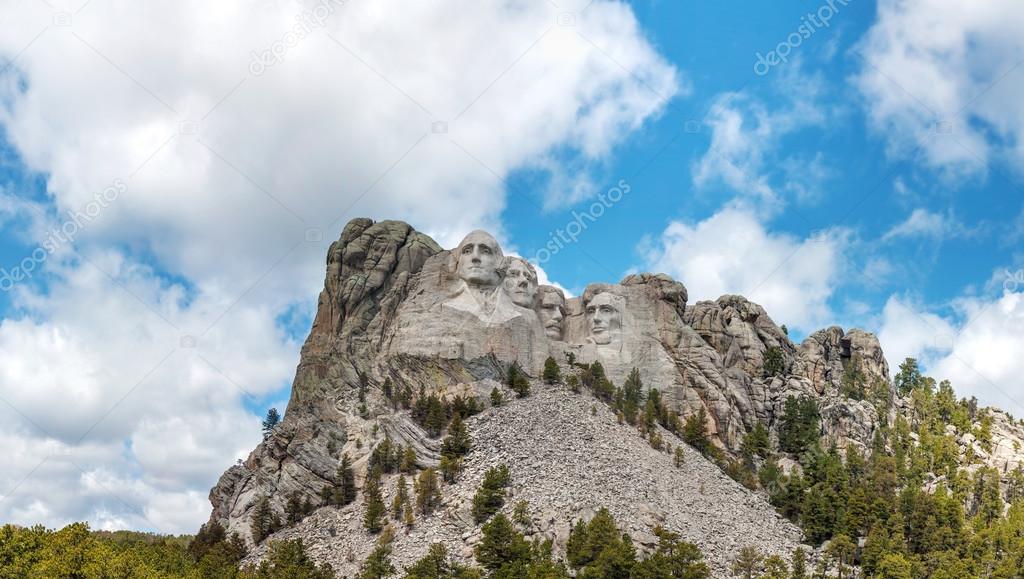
(345, 489)
(436, 564)
(457, 443)
(401, 500)
(679, 459)
(373, 518)
(841, 550)
(775, 567)
(800, 424)
(408, 465)
(748, 563)
(264, 521)
(501, 547)
(774, 363)
(695, 432)
(490, 497)
(378, 565)
(552, 374)
(799, 570)
(272, 420)
(517, 380)
(673, 559)
(428, 492)
(496, 398)
(908, 378)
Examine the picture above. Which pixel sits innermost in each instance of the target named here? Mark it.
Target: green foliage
(496, 398)
(552, 373)
(376, 511)
(378, 565)
(747, 563)
(264, 521)
(344, 490)
(386, 457)
(673, 559)
(288, 559)
(908, 378)
(490, 497)
(800, 424)
(695, 432)
(401, 501)
(774, 363)
(428, 492)
(517, 380)
(755, 444)
(854, 382)
(273, 419)
(458, 442)
(437, 564)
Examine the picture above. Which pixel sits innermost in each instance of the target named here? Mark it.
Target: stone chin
(553, 332)
(601, 336)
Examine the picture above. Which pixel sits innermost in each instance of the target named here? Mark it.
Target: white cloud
(924, 223)
(943, 76)
(392, 110)
(745, 135)
(977, 347)
(733, 252)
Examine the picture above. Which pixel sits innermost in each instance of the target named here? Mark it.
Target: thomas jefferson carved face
(521, 282)
(479, 257)
(604, 318)
(551, 311)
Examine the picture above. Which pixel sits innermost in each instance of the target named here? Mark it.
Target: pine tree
(408, 465)
(345, 489)
(552, 374)
(799, 570)
(774, 364)
(373, 519)
(378, 565)
(428, 492)
(517, 381)
(457, 443)
(679, 459)
(695, 433)
(841, 550)
(401, 500)
(775, 567)
(272, 420)
(747, 563)
(490, 497)
(264, 521)
(501, 546)
(496, 398)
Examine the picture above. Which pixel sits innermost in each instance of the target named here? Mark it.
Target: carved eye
(606, 309)
(485, 249)
(467, 249)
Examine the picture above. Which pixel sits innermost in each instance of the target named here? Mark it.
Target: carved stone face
(604, 318)
(551, 312)
(479, 256)
(521, 282)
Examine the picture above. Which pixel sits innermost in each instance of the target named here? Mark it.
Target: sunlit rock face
(401, 315)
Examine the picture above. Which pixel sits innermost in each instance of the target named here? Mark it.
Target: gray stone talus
(399, 310)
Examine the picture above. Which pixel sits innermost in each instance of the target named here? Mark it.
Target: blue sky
(871, 179)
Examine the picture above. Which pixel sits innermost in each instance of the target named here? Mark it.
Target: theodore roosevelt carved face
(604, 318)
(520, 282)
(551, 311)
(478, 259)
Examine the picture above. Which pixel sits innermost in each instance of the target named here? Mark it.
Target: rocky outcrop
(400, 314)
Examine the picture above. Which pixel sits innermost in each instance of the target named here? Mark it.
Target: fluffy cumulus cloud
(239, 138)
(733, 252)
(745, 137)
(976, 345)
(946, 77)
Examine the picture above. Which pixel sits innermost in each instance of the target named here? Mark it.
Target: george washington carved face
(520, 282)
(604, 317)
(551, 311)
(478, 259)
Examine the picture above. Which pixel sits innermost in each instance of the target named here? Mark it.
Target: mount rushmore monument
(400, 314)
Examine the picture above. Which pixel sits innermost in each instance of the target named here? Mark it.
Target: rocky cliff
(400, 314)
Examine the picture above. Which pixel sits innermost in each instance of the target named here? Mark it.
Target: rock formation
(400, 314)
